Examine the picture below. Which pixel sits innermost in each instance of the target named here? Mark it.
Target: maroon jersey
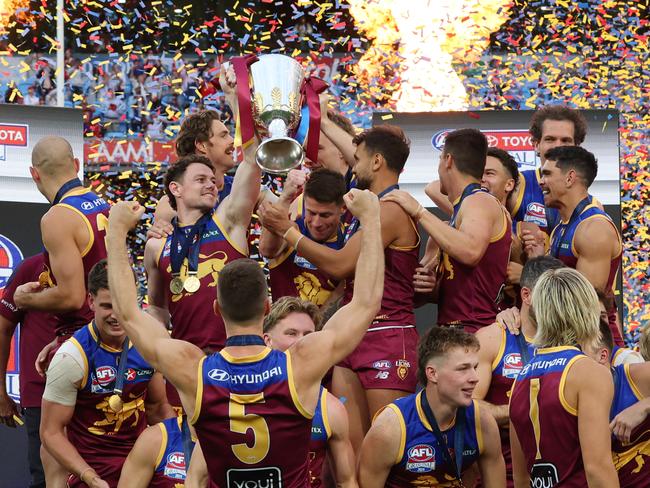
(546, 425)
(102, 437)
(397, 302)
(192, 316)
(247, 410)
(93, 209)
(36, 331)
(469, 296)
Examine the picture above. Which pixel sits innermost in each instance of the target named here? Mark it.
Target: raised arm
(176, 360)
(59, 231)
(316, 353)
(341, 139)
(432, 190)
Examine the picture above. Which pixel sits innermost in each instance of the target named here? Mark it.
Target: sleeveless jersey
(170, 468)
(546, 425)
(421, 461)
(397, 302)
(529, 206)
(468, 295)
(102, 437)
(632, 461)
(248, 411)
(93, 210)
(506, 366)
(320, 435)
(227, 188)
(563, 248)
(192, 316)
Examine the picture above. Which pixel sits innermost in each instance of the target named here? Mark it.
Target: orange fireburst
(420, 39)
(20, 8)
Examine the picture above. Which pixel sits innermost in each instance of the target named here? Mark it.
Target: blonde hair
(565, 308)
(644, 342)
(288, 305)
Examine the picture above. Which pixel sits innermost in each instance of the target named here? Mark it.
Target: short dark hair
(468, 147)
(98, 277)
(242, 291)
(438, 341)
(288, 305)
(176, 171)
(575, 157)
(535, 267)
(507, 161)
(342, 121)
(558, 112)
(607, 339)
(326, 186)
(389, 141)
(195, 128)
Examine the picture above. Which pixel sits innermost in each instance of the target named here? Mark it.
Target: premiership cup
(276, 107)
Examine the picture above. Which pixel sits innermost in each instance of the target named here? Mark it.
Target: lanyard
(469, 190)
(67, 186)
(354, 223)
(523, 347)
(459, 435)
(186, 242)
(121, 366)
(245, 340)
(188, 445)
(556, 245)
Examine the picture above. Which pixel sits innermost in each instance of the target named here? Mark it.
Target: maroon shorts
(386, 359)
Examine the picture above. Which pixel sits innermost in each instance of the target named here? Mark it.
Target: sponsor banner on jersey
(536, 213)
(254, 478)
(240, 379)
(16, 135)
(10, 257)
(512, 365)
(421, 459)
(175, 465)
(543, 475)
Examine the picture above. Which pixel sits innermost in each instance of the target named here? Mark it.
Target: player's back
(630, 458)
(546, 425)
(248, 411)
(93, 211)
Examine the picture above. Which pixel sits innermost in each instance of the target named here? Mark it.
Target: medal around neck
(192, 283)
(176, 285)
(115, 403)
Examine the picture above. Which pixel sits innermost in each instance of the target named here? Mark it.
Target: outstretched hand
(124, 216)
(362, 203)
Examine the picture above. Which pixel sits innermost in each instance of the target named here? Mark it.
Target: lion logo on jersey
(112, 422)
(445, 267)
(309, 288)
(209, 265)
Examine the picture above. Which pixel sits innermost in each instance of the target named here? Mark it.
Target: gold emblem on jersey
(402, 366)
(113, 421)
(309, 288)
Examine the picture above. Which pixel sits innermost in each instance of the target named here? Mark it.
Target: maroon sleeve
(25, 272)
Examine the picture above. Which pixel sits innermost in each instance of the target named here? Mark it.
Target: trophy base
(279, 155)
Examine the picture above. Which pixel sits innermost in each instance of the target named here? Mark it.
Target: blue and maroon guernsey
(102, 437)
(563, 248)
(192, 316)
(529, 206)
(507, 364)
(170, 471)
(320, 435)
(420, 461)
(631, 460)
(469, 296)
(93, 209)
(248, 411)
(546, 425)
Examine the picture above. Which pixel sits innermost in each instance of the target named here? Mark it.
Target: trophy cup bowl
(276, 105)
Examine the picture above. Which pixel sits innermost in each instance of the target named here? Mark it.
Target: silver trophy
(276, 104)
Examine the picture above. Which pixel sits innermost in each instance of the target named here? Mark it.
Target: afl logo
(438, 139)
(536, 213)
(10, 257)
(176, 460)
(421, 459)
(105, 375)
(512, 365)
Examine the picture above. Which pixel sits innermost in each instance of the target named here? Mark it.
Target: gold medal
(115, 403)
(176, 285)
(192, 283)
(44, 279)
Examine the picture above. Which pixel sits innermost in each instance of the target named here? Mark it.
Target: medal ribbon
(245, 127)
(245, 340)
(354, 223)
(523, 347)
(67, 186)
(556, 245)
(469, 190)
(121, 367)
(459, 435)
(310, 89)
(188, 445)
(186, 243)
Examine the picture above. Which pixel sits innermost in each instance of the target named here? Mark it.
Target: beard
(363, 183)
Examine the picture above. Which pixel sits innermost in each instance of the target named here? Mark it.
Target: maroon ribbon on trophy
(245, 128)
(311, 88)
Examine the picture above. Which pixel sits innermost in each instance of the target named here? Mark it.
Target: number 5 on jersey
(241, 422)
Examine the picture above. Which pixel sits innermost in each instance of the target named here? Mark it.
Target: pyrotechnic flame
(9, 8)
(420, 39)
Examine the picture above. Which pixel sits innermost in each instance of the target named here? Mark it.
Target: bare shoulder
(59, 219)
(391, 210)
(490, 338)
(154, 246)
(587, 373)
